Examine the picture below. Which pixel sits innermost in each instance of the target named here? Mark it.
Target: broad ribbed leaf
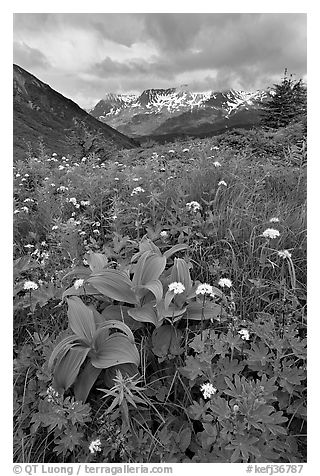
(166, 340)
(153, 267)
(81, 319)
(85, 290)
(145, 245)
(85, 381)
(145, 313)
(154, 286)
(113, 324)
(171, 311)
(117, 349)
(210, 310)
(139, 267)
(120, 313)
(114, 284)
(62, 348)
(68, 367)
(96, 261)
(180, 273)
(174, 249)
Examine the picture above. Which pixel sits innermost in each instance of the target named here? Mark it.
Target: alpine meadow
(160, 250)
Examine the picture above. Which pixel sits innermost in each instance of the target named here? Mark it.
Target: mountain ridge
(41, 112)
(152, 111)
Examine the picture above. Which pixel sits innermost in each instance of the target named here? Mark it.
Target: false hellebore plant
(143, 293)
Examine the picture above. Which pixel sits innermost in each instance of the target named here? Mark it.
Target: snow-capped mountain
(159, 112)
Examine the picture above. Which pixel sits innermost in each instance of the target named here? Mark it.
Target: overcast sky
(84, 56)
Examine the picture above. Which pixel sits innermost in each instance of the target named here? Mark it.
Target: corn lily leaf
(68, 367)
(145, 245)
(174, 249)
(139, 267)
(81, 319)
(62, 348)
(149, 268)
(117, 349)
(210, 310)
(96, 261)
(114, 284)
(119, 313)
(145, 313)
(114, 324)
(85, 290)
(85, 381)
(153, 286)
(166, 340)
(180, 273)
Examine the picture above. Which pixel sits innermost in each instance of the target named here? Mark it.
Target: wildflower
(95, 446)
(274, 220)
(62, 188)
(215, 147)
(78, 283)
(77, 205)
(28, 200)
(25, 209)
(29, 246)
(204, 289)
(23, 179)
(28, 285)
(53, 184)
(177, 288)
(43, 243)
(208, 390)
(193, 206)
(83, 159)
(81, 233)
(26, 175)
(73, 201)
(46, 178)
(97, 232)
(284, 254)
(76, 165)
(54, 154)
(52, 394)
(61, 167)
(16, 211)
(171, 151)
(18, 175)
(114, 217)
(116, 178)
(85, 262)
(222, 182)
(271, 233)
(244, 334)
(185, 150)
(136, 179)
(235, 408)
(164, 234)
(225, 282)
(55, 227)
(216, 164)
(137, 190)
(85, 202)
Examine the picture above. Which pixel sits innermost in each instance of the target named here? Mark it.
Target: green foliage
(287, 104)
(144, 373)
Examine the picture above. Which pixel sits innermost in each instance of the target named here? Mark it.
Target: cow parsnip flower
(30, 285)
(95, 446)
(225, 283)
(208, 390)
(284, 254)
(193, 206)
(274, 220)
(177, 288)
(244, 333)
(271, 233)
(204, 289)
(78, 283)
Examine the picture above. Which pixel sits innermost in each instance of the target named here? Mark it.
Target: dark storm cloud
(28, 57)
(125, 52)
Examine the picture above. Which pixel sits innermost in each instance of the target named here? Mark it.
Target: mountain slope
(41, 112)
(161, 112)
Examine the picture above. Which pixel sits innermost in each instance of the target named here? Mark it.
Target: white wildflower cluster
(222, 183)
(164, 234)
(62, 188)
(137, 190)
(208, 390)
(204, 289)
(95, 446)
(84, 203)
(73, 201)
(28, 200)
(185, 150)
(78, 283)
(55, 227)
(193, 206)
(271, 233)
(274, 220)
(176, 288)
(61, 167)
(216, 164)
(30, 285)
(244, 333)
(284, 254)
(171, 151)
(25, 209)
(52, 395)
(225, 283)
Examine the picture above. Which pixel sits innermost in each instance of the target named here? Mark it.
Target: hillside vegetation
(160, 302)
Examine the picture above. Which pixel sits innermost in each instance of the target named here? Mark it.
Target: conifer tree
(287, 104)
